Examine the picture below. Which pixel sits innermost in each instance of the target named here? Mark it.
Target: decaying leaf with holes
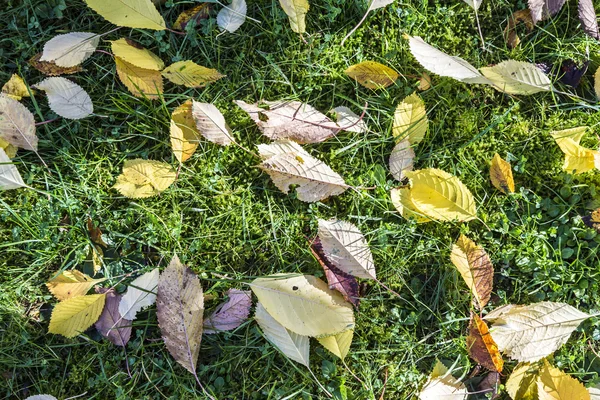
(372, 75)
(71, 283)
(501, 175)
(481, 345)
(475, 267)
(144, 178)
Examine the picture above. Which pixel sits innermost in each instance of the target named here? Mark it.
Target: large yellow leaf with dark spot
(75, 315)
(372, 75)
(129, 13)
(501, 175)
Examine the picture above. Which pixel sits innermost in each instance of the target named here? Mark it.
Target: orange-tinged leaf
(481, 345)
(71, 284)
(50, 68)
(372, 75)
(75, 315)
(501, 175)
(475, 267)
(95, 233)
(140, 82)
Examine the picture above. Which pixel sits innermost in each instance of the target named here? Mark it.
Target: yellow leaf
(71, 284)
(136, 55)
(193, 15)
(144, 178)
(440, 195)
(404, 204)
(15, 88)
(410, 120)
(475, 267)
(517, 77)
(190, 74)
(296, 11)
(184, 135)
(338, 344)
(554, 384)
(578, 159)
(9, 149)
(130, 13)
(140, 82)
(521, 384)
(501, 175)
(372, 75)
(75, 315)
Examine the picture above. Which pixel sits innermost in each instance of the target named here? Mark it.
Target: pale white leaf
(141, 293)
(10, 178)
(230, 18)
(41, 397)
(66, 98)
(594, 393)
(475, 4)
(348, 121)
(70, 49)
(17, 125)
(401, 159)
(441, 385)
(375, 4)
(211, 123)
(267, 151)
(517, 77)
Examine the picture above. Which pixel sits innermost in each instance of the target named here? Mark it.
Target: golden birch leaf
(70, 49)
(315, 180)
(296, 11)
(15, 88)
(304, 304)
(338, 344)
(129, 13)
(184, 135)
(10, 178)
(71, 284)
(475, 267)
(401, 199)
(346, 248)
(521, 384)
(295, 347)
(481, 345)
(534, 331)
(66, 98)
(136, 55)
(554, 384)
(501, 175)
(75, 315)
(401, 159)
(211, 123)
(372, 75)
(192, 15)
(139, 81)
(190, 74)
(578, 159)
(17, 125)
(441, 385)
(517, 77)
(410, 120)
(440, 195)
(144, 178)
(180, 312)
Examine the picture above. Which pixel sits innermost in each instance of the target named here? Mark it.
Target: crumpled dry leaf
(111, 323)
(593, 220)
(50, 68)
(230, 314)
(510, 32)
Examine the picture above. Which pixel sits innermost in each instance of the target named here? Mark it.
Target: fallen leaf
(338, 344)
(180, 309)
(475, 4)
(184, 135)
(296, 11)
(440, 63)
(231, 17)
(95, 233)
(593, 220)
(41, 397)
(571, 73)
(291, 120)
(424, 81)
(481, 345)
(192, 15)
(315, 180)
(73, 316)
(501, 175)
(554, 384)
(50, 68)
(490, 386)
(267, 151)
(594, 393)
(510, 32)
(211, 123)
(401, 159)
(304, 304)
(144, 178)
(337, 279)
(10, 178)
(129, 13)
(136, 55)
(71, 283)
(534, 331)
(543, 9)
(15, 88)
(348, 121)
(295, 347)
(442, 385)
(475, 267)
(9, 149)
(345, 247)
(441, 196)
(372, 75)
(140, 294)
(578, 159)
(139, 81)
(190, 74)
(70, 49)
(517, 77)
(111, 323)
(410, 120)
(402, 201)
(230, 314)
(521, 384)
(66, 98)
(17, 125)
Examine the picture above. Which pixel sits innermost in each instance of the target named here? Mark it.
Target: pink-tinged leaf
(587, 16)
(110, 324)
(230, 314)
(337, 279)
(543, 9)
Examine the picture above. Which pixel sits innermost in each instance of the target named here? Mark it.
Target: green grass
(225, 217)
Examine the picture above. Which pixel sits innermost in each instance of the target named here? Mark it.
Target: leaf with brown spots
(50, 68)
(481, 345)
(475, 267)
(593, 220)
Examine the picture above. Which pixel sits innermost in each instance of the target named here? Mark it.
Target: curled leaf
(192, 15)
(50, 68)
(510, 32)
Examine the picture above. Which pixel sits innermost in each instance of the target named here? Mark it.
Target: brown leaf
(111, 324)
(95, 233)
(593, 220)
(587, 16)
(475, 267)
(180, 309)
(337, 279)
(50, 68)
(510, 32)
(424, 81)
(192, 15)
(481, 345)
(490, 384)
(544, 9)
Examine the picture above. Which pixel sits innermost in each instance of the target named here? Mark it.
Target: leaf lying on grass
(10, 178)
(136, 55)
(144, 178)
(111, 323)
(66, 98)
(231, 17)
(15, 88)
(501, 175)
(211, 123)
(140, 294)
(442, 385)
(481, 345)
(372, 74)
(296, 11)
(185, 137)
(578, 159)
(129, 13)
(475, 267)
(70, 284)
(190, 74)
(17, 125)
(73, 316)
(70, 49)
(230, 314)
